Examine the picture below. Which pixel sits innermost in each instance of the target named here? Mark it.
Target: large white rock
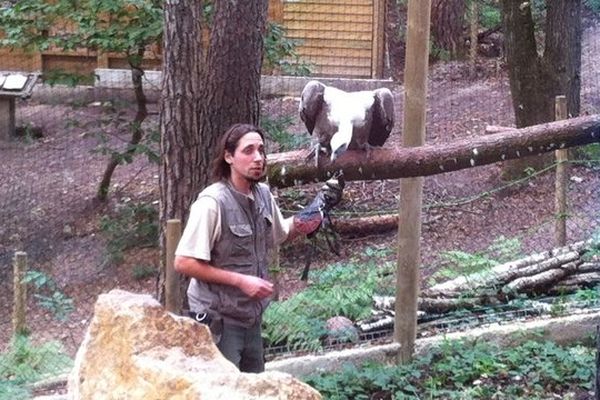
(134, 349)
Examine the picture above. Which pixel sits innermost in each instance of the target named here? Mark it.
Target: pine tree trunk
(231, 76)
(447, 17)
(203, 96)
(535, 80)
(181, 163)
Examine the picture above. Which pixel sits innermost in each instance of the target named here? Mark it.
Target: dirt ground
(47, 189)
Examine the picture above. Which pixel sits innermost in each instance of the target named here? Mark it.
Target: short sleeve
(281, 226)
(202, 229)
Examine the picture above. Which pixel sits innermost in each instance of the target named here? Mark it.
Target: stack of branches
(558, 271)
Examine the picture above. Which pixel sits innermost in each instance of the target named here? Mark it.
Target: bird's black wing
(382, 117)
(311, 104)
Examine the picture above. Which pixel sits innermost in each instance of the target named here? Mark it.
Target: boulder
(134, 349)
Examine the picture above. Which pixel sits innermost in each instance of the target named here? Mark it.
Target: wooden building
(337, 38)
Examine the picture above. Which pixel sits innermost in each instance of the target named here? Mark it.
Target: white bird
(346, 120)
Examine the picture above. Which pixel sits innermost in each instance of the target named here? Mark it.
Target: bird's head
(339, 144)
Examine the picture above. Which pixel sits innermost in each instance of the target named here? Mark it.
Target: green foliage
(12, 391)
(593, 5)
(461, 370)
(490, 15)
(460, 263)
(61, 77)
(134, 225)
(48, 294)
(339, 289)
(25, 362)
(589, 155)
(120, 26)
(277, 129)
(280, 52)
(141, 272)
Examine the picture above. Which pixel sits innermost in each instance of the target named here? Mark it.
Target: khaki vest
(246, 239)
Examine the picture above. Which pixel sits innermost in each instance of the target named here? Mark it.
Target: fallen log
(292, 168)
(543, 279)
(501, 274)
(366, 225)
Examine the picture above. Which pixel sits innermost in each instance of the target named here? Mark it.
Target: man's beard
(253, 180)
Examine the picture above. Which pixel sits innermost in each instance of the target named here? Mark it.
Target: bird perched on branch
(346, 120)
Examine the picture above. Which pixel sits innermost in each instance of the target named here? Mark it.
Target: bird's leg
(312, 151)
(367, 148)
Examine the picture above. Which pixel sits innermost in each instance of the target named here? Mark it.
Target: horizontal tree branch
(292, 168)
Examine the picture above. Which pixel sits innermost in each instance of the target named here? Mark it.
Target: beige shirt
(203, 228)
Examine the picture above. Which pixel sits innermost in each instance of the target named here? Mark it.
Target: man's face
(248, 160)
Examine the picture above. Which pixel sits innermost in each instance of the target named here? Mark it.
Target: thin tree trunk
(137, 133)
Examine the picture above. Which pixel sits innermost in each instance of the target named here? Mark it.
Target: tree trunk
(136, 128)
(182, 169)
(535, 80)
(447, 17)
(291, 168)
(202, 97)
(231, 75)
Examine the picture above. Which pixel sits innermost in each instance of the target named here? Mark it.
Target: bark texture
(181, 161)
(203, 94)
(287, 169)
(537, 76)
(447, 18)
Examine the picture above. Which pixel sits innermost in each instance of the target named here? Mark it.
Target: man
(232, 227)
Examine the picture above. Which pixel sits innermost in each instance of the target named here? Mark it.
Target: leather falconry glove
(310, 219)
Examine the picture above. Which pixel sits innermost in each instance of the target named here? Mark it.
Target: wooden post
(173, 299)
(411, 189)
(19, 293)
(561, 182)
(7, 117)
(474, 18)
(378, 39)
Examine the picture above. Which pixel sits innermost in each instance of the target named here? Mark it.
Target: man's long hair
(220, 169)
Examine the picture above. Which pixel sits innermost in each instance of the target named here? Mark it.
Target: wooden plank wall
(340, 38)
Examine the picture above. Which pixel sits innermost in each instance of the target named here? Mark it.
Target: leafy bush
(25, 362)
(338, 290)
(460, 263)
(490, 15)
(134, 225)
(461, 370)
(280, 52)
(277, 129)
(593, 5)
(588, 156)
(48, 294)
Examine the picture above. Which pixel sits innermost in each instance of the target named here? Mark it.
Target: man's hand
(255, 287)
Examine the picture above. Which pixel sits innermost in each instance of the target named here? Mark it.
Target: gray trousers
(243, 347)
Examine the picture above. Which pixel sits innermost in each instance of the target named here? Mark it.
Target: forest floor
(48, 185)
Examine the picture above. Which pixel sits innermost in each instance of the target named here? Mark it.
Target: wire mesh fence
(78, 247)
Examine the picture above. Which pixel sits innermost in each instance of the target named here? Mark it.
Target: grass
(25, 362)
